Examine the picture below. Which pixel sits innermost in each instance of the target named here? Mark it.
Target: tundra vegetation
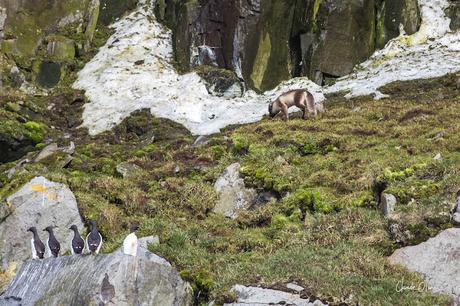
(325, 230)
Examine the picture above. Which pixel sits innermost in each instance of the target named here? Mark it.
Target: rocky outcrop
(437, 261)
(39, 203)
(387, 204)
(233, 195)
(261, 296)
(32, 36)
(266, 42)
(105, 279)
(391, 15)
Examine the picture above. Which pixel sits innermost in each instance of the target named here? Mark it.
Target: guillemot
(37, 246)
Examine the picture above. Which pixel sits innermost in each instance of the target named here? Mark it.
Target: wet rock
(39, 203)
(387, 204)
(233, 195)
(49, 74)
(113, 279)
(436, 260)
(261, 296)
(127, 169)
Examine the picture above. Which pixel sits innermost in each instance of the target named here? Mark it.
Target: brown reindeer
(298, 97)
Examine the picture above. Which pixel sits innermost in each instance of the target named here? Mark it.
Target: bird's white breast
(130, 245)
(34, 252)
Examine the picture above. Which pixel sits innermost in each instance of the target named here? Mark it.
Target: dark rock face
(49, 74)
(343, 38)
(110, 10)
(453, 12)
(392, 14)
(12, 149)
(266, 42)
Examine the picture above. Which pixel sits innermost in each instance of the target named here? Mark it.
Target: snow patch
(133, 71)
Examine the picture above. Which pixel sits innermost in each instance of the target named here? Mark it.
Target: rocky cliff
(266, 42)
(154, 112)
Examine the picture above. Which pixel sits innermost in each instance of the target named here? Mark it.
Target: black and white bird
(53, 246)
(130, 242)
(94, 239)
(77, 244)
(37, 246)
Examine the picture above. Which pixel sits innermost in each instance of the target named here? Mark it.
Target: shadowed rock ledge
(79, 280)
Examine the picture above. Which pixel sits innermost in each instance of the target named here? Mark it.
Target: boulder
(260, 296)
(233, 195)
(52, 149)
(104, 279)
(387, 204)
(28, 22)
(60, 48)
(126, 169)
(221, 82)
(39, 203)
(437, 261)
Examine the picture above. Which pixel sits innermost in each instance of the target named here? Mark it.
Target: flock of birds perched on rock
(92, 244)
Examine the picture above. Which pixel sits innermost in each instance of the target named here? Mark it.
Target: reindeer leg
(285, 111)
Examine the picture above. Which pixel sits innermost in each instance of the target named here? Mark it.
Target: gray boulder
(105, 279)
(126, 169)
(39, 203)
(387, 204)
(233, 195)
(437, 261)
(249, 296)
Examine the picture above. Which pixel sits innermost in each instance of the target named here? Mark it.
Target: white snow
(431, 52)
(133, 71)
(116, 86)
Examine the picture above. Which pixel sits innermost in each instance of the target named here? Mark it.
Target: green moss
(201, 281)
(35, 131)
(240, 143)
(316, 7)
(261, 61)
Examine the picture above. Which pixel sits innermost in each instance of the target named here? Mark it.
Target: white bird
(130, 242)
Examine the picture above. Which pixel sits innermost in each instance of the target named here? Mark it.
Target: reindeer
(298, 97)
